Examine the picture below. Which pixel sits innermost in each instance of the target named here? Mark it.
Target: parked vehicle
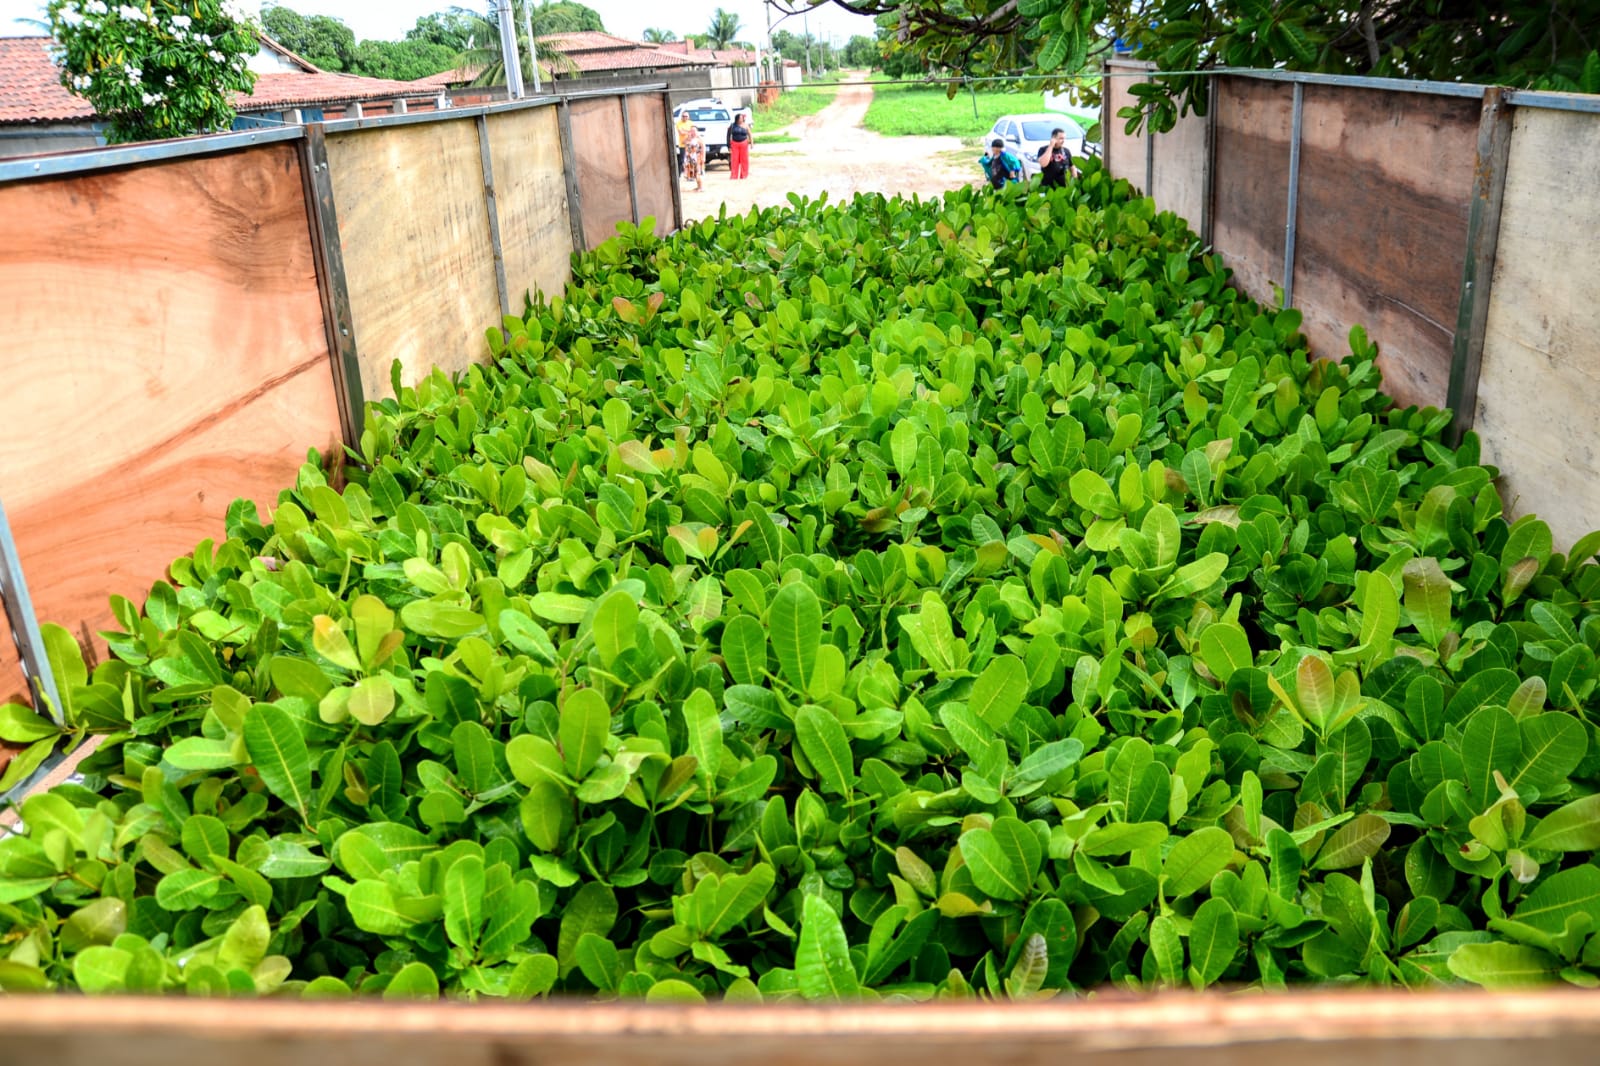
(712, 118)
(1026, 134)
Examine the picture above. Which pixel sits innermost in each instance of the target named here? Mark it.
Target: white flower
(170, 82)
(134, 74)
(181, 21)
(214, 55)
(96, 7)
(131, 13)
(70, 17)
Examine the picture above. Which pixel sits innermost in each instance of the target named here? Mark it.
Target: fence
(1454, 221)
(185, 319)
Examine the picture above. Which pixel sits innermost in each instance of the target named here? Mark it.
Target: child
(1000, 166)
(694, 159)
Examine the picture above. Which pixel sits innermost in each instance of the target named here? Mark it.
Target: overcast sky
(389, 19)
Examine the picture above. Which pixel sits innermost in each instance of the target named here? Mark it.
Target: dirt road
(835, 154)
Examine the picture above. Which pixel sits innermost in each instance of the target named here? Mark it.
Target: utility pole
(505, 19)
(806, 27)
(772, 56)
(533, 48)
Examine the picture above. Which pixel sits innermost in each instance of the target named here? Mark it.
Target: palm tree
(659, 36)
(483, 41)
(724, 29)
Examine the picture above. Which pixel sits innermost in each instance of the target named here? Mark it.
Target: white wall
(266, 61)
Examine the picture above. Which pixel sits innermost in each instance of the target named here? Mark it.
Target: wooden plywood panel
(1381, 237)
(1553, 1028)
(1180, 169)
(165, 353)
(1541, 355)
(414, 227)
(602, 167)
(531, 201)
(653, 168)
(1124, 152)
(1252, 181)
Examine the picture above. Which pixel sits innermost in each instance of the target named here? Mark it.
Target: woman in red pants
(739, 147)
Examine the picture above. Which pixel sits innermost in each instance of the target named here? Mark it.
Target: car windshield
(1040, 131)
(708, 115)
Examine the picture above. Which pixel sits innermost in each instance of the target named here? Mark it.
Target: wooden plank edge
(1161, 1021)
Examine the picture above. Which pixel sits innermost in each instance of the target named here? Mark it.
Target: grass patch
(902, 110)
(777, 138)
(798, 103)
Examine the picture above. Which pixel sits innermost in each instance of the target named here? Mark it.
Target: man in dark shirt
(1055, 161)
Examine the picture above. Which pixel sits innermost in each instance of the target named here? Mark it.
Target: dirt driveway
(835, 154)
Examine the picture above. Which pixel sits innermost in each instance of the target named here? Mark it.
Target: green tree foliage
(402, 60)
(167, 68)
(1540, 43)
(723, 30)
(860, 51)
(656, 35)
(321, 39)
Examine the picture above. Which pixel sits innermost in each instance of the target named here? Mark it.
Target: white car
(1025, 135)
(712, 118)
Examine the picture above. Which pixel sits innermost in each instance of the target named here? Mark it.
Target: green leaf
(599, 961)
(1560, 896)
(416, 980)
(374, 909)
(1552, 746)
(1501, 965)
(463, 900)
(100, 969)
(822, 959)
(1213, 942)
(20, 725)
(704, 726)
(1195, 860)
(999, 690)
(826, 747)
(795, 621)
(616, 620)
(991, 868)
(585, 724)
(1191, 579)
(592, 909)
(244, 945)
(1224, 648)
(279, 753)
(1353, 843)
(371, 700)
(534, 976)
(1574, 827)
(1490, 742)
(1428, 599)
(744, 649)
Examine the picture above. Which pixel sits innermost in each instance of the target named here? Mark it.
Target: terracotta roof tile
(30, 84)
(591, 52)
(274, 92)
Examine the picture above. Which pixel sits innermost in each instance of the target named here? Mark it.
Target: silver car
(1025, 135)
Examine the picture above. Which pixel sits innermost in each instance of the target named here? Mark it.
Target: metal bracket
(627, 146)
(323, 218)
(672, 161)
(1477, 275)
(494, 215)
(569, 166)
(25, 627)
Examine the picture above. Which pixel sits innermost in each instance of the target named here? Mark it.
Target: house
(38, 114)
(733, 70)
(576, 62)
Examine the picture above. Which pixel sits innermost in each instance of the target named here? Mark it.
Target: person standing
(739, 146)
(1000, 166)
(1055, 161)
(686, 130)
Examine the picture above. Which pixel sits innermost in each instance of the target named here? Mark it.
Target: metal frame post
(569, 167)
(1105, 117)
(1149, 157)
(322, 216)
(494, 214)
(627, 147)
(1208, 188)
(672, 160)
(1293, 206)
(1477, 275)
(25, 627)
